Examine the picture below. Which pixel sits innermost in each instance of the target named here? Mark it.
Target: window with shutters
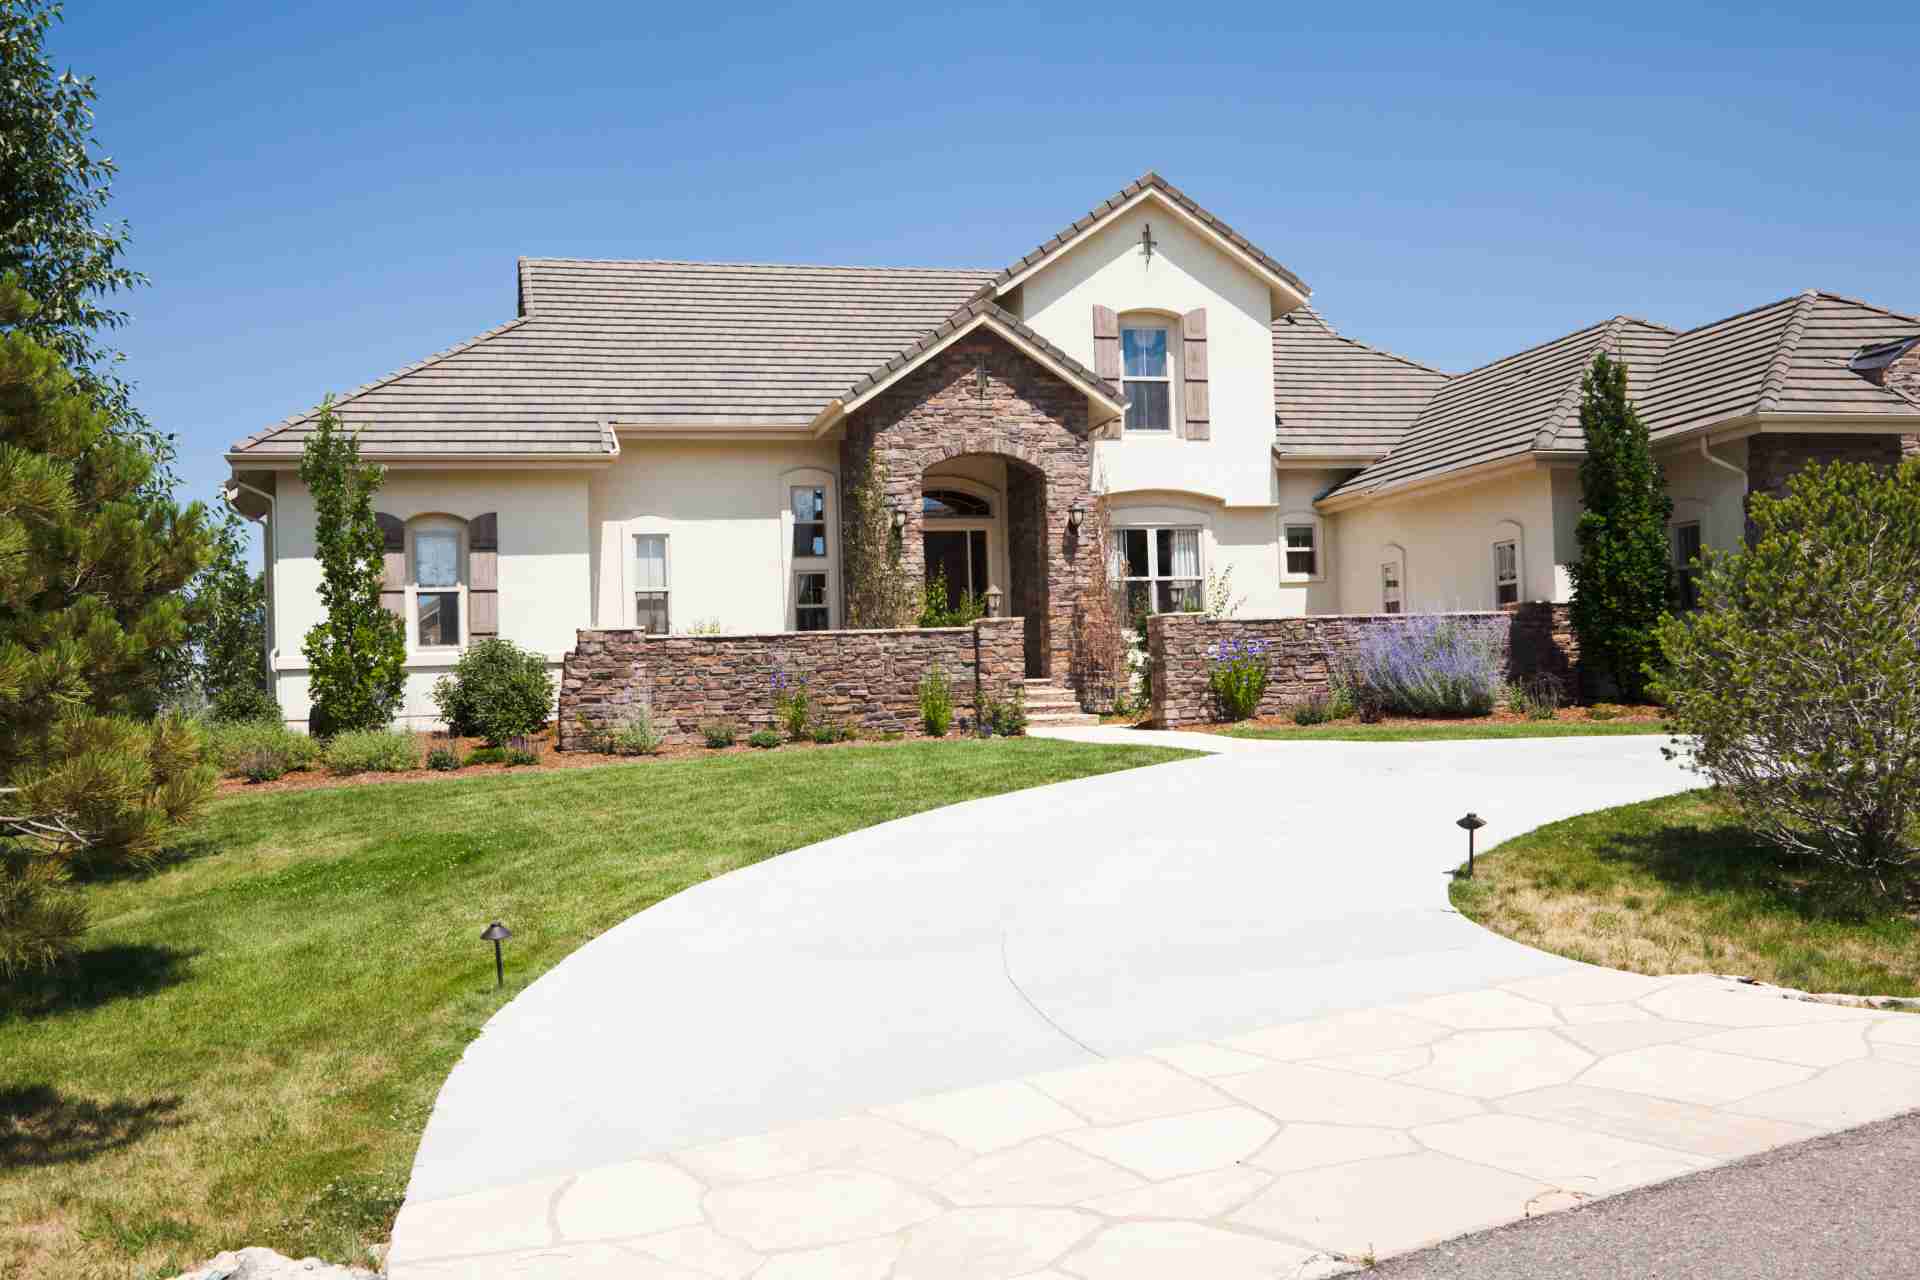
(1161, 568)
(651, 598)
(437, 581)
(1146, 364)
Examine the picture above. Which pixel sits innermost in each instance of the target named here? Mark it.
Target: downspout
(266, 555)
(1722, 463)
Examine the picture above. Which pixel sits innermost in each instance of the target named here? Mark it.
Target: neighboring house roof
(1148, 181)
(1517, 405)
(1337, 398)
(643, 343)
(973, 315)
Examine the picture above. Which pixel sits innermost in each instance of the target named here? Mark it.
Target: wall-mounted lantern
(1074, 516)
(993, 602)
(899, 520)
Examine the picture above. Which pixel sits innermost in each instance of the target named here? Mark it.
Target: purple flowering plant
(1429, 665)
(791, 705)
(1237, 675)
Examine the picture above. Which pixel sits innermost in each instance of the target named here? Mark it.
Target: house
(663, 445)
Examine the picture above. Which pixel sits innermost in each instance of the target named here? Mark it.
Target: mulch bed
(318, 779)
(1501, 715)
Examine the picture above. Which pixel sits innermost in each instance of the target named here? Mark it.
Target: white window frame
(1146, 322)
(436, 525)
(795, 565)
(634, 589)
(1155, 570)
(826, 592)
(1393, 590)
(1517, 578)
(1304, 520)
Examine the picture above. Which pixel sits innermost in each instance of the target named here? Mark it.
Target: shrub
(1535, 699)
(372, 751)
(1316, 708)
(634, 736)
(824, 732)
(497, 691)
(443, 759)
(1428, 665)
(936, 701)
(1004, 718)
(966, 609)
(719, 733)
(791, 704)
(1605, 711)
(1795, 677)
(1238, 677)
(518, 756)
(259, 750)
(487, 755)
(765, 739)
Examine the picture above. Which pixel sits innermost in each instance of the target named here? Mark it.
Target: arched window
(951, 503)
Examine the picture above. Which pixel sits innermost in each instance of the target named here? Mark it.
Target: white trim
(1394, 556)
(1226, 246)
(437, 522)
(792, 566)
(1505, 532)
(1170, 325)
(1303, 520)
(631, 558)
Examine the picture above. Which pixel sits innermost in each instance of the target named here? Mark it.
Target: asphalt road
(1847, 1205)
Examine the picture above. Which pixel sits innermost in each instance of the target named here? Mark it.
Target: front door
(959, 556)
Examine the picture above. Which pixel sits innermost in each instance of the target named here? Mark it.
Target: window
(951, 503)
(1686, 550)
(1146, 378)
(1303, 560)
(650, 611)
(436, 579)
(1161, 569)
(1390, 587)
(809, 521)
(1506, 573)
(810, 602)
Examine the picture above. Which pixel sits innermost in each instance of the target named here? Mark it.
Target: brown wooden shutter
(483, 566)
(1106, 344)
(393, 557)
(1197, 405)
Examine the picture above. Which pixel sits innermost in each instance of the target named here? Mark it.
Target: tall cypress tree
(1622, 583)
(358, 653)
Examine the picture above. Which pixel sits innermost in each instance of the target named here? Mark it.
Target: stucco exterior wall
(543, 569)
(729, 527)
(1710, 494)
(1447, 539)
(1185, 273)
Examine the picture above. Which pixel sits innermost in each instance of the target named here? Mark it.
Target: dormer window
(1146, 378)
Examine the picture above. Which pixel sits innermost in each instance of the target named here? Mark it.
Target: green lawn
(1449, 731)
(258, 1029)
(1679, 886)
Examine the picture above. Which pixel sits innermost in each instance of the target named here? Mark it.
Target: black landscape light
(1470, 824)
(497, 933)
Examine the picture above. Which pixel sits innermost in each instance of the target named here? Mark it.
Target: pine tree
(358, 654)
(1621, 583)
(91, 566)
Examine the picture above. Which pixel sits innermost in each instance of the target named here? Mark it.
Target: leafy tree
(55, 239)
(1621, 583)
(1105, 639)
(881, 592)
(498, 691)
(91, 566)
(227, 607)
(357, 656)
(1795, 677)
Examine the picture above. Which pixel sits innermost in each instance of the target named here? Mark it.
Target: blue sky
(324, 195)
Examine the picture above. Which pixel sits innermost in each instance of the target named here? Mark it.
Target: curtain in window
(437, 559)
(1186, 554)
(650, 563)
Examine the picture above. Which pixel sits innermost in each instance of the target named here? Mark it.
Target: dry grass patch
(1677, 885)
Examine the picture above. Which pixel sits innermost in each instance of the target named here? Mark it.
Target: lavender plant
(1429, 665)
(791, 705)
(1238, 677)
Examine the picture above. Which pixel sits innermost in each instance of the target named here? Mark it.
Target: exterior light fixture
(1147, 242)
(993, 602)
(497, 933)
(899, 520)
(1470, 824)
(1074, 516)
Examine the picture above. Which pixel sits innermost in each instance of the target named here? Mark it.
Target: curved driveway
(1040, 930)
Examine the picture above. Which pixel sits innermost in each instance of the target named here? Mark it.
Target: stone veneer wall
(1304, 653)
(1026, 415)
(1774, 457)
(871, 678)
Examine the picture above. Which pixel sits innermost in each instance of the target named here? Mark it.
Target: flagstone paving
(1303, 1149)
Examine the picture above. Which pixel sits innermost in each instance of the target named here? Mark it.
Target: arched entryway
(983, 530)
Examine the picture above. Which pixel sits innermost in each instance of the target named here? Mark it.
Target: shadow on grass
(91, 978)
(1728, 860)
(41, 1126)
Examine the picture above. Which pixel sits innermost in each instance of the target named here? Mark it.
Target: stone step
(1060, 719)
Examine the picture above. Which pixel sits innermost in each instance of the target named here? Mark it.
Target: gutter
(266, 521)
(1721, 462)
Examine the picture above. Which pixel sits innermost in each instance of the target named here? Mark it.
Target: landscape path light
(497, 933)
(1470, 824)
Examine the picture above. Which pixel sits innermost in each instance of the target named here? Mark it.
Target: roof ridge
(1549, 434)
(1738, 315)
(1776, 379)
(1366, 346)
(260, 437)
(1538, 346)
(1857, 302)
(781, 266)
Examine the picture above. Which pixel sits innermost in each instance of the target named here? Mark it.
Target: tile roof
(644, 343)
(1147, 180)
(1087, 379)
(1517, 405)
(1336, 397)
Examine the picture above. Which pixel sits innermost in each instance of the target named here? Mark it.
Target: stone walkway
(1303, 1149)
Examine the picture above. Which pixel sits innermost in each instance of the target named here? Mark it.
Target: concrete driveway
(1026, 933)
